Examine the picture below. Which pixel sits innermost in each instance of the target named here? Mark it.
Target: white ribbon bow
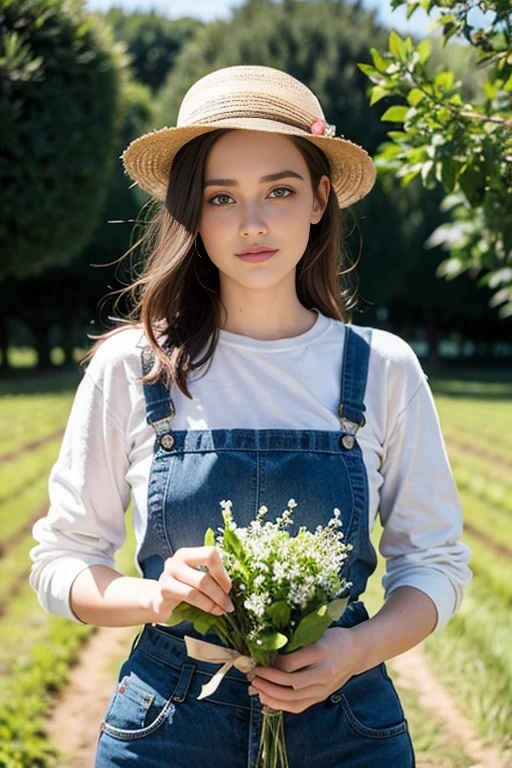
(216, 654)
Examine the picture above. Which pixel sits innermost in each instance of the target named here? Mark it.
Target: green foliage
(68, 296)
(446, 139)
(153, 42)
(59, 104)
(312, 627)
(27, 685)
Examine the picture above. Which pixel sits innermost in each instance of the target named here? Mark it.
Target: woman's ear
(320, 200)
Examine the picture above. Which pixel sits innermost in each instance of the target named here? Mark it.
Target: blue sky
(210, 9)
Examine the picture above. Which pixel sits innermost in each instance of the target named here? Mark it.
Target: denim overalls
(154, 718)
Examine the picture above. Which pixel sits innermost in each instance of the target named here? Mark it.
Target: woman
(242, 377)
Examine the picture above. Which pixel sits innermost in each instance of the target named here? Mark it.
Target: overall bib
(154, 718)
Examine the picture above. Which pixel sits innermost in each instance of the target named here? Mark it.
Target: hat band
(263, 108)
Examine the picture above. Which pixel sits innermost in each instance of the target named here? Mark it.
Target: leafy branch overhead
(465, 145)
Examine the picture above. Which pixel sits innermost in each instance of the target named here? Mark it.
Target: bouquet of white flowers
(286, 592)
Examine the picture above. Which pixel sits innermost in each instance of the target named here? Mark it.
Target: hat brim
(148, 159)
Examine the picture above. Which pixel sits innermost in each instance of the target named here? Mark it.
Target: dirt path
(91, 684)
(74, 722)
(412, 671)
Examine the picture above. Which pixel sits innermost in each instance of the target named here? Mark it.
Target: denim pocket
(371, 705)
(140, 704)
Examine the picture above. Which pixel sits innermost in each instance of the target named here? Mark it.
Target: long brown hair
(176, 298)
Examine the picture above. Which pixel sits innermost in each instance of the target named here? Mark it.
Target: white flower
(256, 604)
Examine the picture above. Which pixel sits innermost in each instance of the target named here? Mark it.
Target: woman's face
(243, 209)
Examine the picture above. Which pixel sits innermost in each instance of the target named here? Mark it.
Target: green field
(472, 656)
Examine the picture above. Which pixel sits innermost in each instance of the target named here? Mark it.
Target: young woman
(242, 377)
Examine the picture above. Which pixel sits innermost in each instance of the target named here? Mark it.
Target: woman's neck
(269, 323)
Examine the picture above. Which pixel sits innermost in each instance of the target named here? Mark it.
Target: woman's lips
(254, 257)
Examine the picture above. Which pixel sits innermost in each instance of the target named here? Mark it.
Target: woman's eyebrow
(263, 180)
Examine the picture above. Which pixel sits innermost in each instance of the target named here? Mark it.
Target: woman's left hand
(305, 677)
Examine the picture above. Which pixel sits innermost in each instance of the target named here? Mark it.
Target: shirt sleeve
(88, 495)
(420, 508)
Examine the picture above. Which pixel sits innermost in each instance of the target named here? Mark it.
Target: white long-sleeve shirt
(290, 383)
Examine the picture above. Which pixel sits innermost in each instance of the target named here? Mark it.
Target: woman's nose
(252, 222)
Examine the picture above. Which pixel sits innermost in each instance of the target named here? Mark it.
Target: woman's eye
(282, 189)
(217, 199)
(218, 195)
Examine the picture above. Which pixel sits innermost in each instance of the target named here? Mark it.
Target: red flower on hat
(317, 126)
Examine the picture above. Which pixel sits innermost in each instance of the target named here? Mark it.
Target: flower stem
(272, 749)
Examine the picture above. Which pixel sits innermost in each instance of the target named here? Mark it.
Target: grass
(48, 417)
(490, 568)
(15, 512)
(485, 481)
(26, 357)
(36, 653)
(490, 520)
(429, 736)
(473, 654)
(473, 657)
(26, 470)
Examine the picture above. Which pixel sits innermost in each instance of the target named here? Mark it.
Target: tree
(153, 42)
(61, 302)
(465, 146)
(60, 77)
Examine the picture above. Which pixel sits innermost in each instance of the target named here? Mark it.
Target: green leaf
(491, 89)
(336, 607)
(389, 151)
(395, 114)
(367, 69)
(204, 623)
(310, 629)
(449, 173)
(472, 181)
(396, 45)
(449, 30)
(428, 174)
(379, 61)
(260, 656)
(424, 49)
(280, 613)
(411, 7)
(444, 80)
(378, 92)
(408, 177)
(184, 612)
(209, 538)
(271, 641)
(415, 96)
(233, 544)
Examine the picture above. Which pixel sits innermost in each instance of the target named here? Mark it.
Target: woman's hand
(180, 581)
(304, 677)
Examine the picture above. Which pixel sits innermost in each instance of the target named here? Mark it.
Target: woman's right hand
(180, 581)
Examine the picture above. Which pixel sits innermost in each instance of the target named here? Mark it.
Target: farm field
(470, 661)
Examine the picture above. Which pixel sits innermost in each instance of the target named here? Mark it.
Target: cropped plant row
(473, 655)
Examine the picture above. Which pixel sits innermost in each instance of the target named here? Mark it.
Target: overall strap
(160, 408)
(354, 374)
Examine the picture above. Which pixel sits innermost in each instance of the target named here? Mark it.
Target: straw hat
(254, 98)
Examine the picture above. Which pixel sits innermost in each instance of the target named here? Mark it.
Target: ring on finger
(203, 568)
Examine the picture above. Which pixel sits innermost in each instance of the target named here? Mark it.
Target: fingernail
(252, 691)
